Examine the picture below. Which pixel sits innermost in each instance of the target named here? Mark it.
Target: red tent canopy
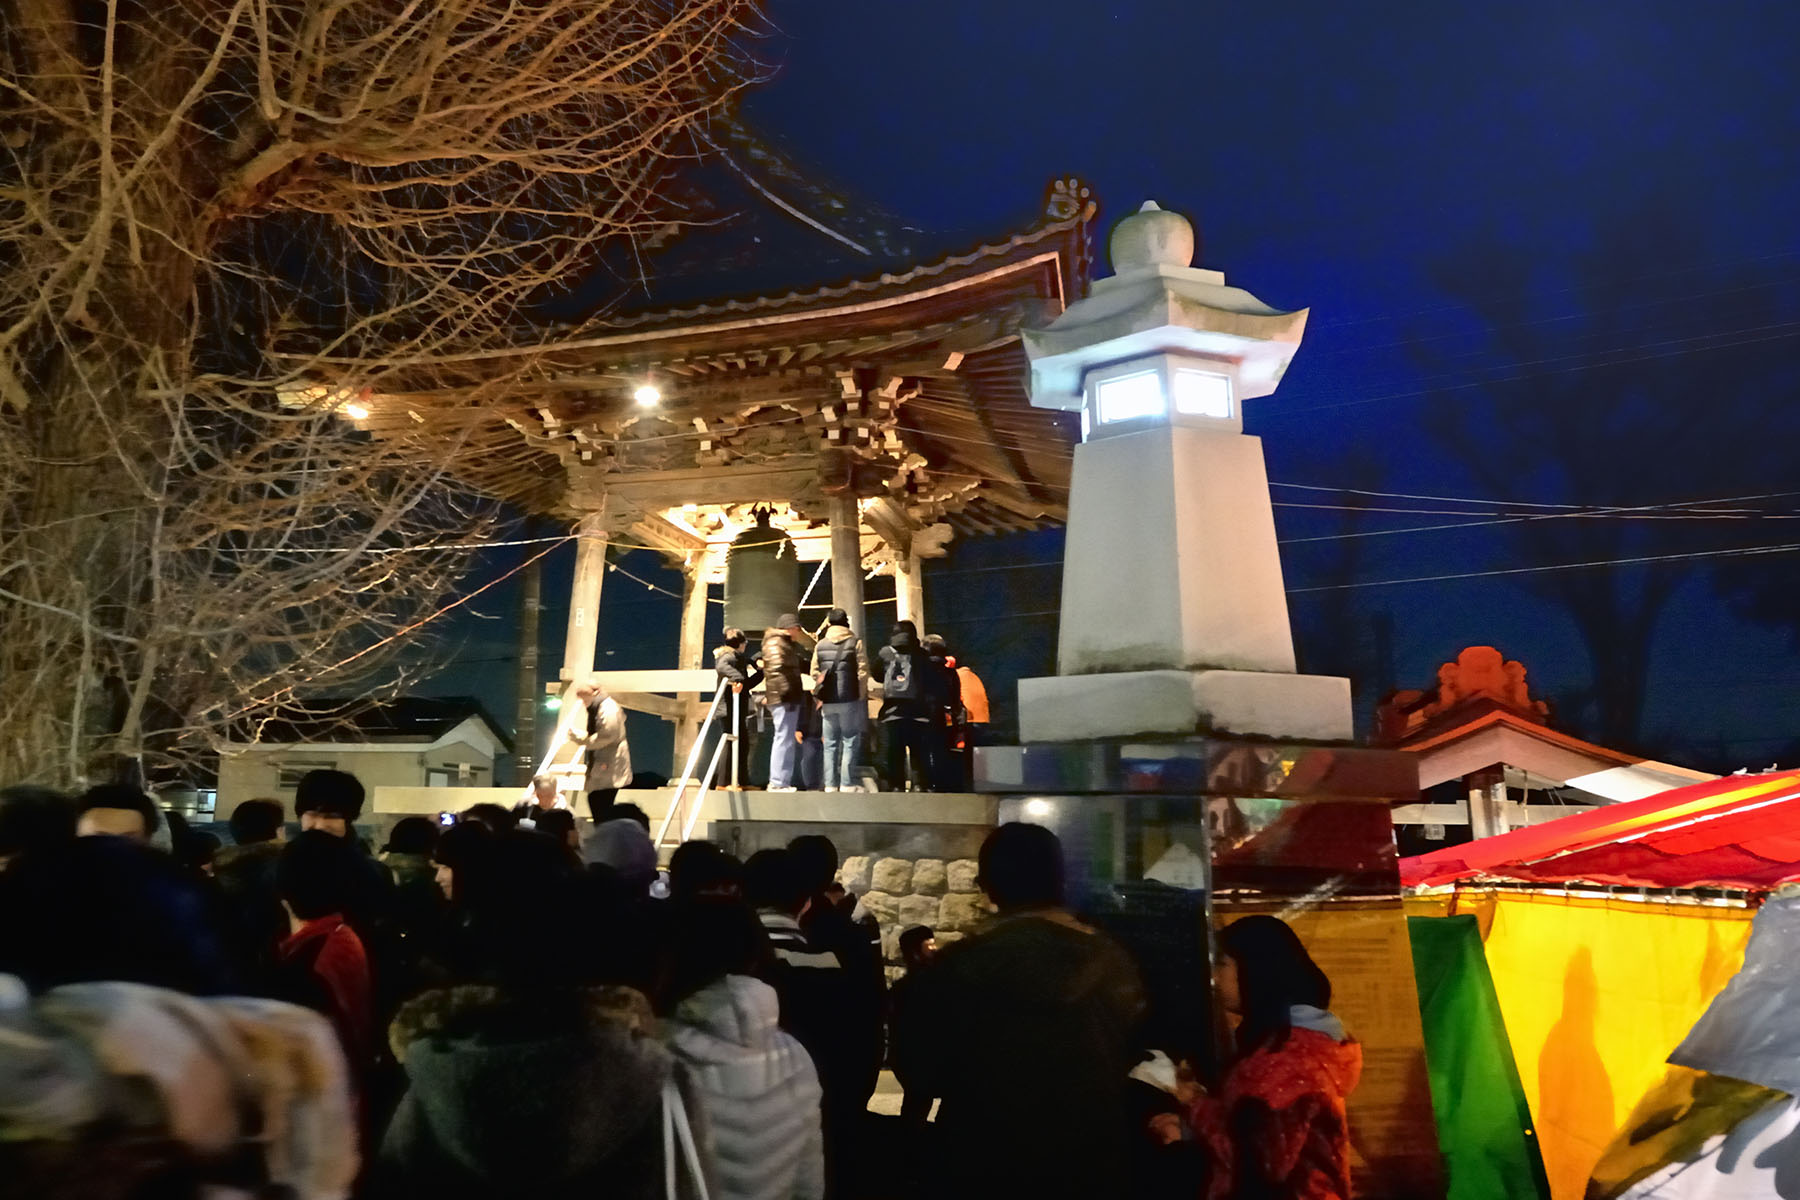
(1742, 831)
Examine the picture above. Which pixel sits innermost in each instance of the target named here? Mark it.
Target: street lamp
(1174, 619)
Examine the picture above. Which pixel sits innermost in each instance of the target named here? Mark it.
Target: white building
(409, 742)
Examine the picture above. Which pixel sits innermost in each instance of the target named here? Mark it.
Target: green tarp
(1484, 1124)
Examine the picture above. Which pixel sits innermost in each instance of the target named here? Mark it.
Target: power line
(1493, 327)
(1573, 288)
(1478, 383)
(1738, 552)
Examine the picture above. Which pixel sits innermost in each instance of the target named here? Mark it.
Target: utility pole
(525, 739)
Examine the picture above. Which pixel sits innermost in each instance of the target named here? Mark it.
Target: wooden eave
(949, 329)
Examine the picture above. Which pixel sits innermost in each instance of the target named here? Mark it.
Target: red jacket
(332, 959)
(1279, 1127)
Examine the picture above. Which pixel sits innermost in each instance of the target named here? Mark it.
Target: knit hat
(787, 620)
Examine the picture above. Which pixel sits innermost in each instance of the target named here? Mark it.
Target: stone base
(1066, 708)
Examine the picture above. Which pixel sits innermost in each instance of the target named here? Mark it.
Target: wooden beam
(665, 535)
(666, 707)
(795, 476)
(892, 523)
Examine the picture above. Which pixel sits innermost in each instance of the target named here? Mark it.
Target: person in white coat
(599, 726)
(756, 1082)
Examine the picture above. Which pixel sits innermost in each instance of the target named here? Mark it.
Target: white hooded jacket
(759, 1088)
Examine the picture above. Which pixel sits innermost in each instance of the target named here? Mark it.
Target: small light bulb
(1037, 810)
(647, 396)
(356, 412)
(553, 703)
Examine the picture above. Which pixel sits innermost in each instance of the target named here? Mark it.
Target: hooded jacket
(837, 667)
(905, 683)
(550, 1095)
(758, 1087)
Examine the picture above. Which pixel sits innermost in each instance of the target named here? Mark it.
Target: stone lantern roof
(1155, 302)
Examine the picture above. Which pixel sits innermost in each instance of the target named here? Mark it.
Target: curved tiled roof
(884, 283)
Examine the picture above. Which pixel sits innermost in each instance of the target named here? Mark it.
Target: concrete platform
(387, 805)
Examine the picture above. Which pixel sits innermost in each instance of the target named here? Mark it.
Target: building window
(1202, 393)
(1128, 397)
(288, 775)
(437, 777)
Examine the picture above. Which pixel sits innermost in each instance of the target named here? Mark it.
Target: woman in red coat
(1277, 1128)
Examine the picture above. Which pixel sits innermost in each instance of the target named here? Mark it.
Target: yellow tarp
(1596, 994)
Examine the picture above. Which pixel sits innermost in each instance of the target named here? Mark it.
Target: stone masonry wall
(905, 874)
(903, 892)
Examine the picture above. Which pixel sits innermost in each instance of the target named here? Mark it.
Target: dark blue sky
(1483, 206)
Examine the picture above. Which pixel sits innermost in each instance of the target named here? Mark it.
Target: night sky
(1552, 259)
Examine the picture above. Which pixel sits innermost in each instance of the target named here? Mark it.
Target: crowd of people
(520, 1006)
(932, 712)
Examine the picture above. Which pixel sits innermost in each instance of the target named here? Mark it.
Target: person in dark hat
(783, 659)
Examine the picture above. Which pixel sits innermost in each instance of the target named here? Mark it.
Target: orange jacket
(974, 697)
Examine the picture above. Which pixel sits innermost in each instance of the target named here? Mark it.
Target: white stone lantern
(1174, 619)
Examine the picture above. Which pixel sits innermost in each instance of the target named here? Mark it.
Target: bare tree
(240, 241)
(1650, 407)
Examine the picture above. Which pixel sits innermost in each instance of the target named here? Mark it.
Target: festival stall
(1607, 933)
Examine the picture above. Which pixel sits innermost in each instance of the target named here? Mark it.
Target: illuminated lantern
(1174, 619)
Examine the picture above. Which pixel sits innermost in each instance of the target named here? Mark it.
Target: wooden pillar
(692, 655)
(846, 563)
(909, 591)
(584, 599)
(1487, 792)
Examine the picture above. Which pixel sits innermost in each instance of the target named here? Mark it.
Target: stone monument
(1193, 775)
(1173, 615)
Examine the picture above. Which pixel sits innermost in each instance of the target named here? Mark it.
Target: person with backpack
(906, 706)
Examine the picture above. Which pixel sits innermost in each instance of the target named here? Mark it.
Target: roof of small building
(402, 720)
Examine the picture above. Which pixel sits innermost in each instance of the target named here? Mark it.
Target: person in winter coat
(906, 706)
(254, 920)
(524, 1092)
(837, 671)
(1278, 1127)
(756, 1083)
(822, 1004)
(529, 1079)
(918, 949)
(322, 963)
(946, 716)
(736, 665)
(1024, 1030)
(600, 727)
(783, 661)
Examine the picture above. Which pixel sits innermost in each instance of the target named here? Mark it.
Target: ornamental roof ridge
(1069, 208)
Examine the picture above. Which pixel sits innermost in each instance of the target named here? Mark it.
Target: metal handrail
(687, 828)
(693, 759)
(559, 739)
